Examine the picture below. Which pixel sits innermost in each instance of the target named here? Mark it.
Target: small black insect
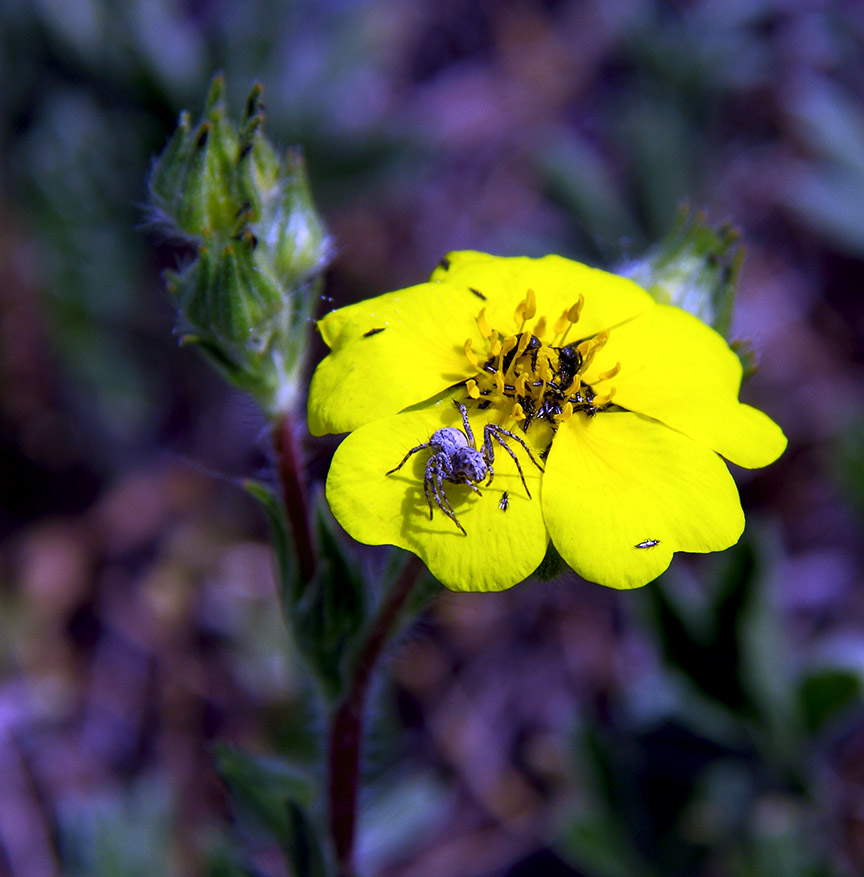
(456, 458)
(372, 332)
(569, 363)
(505, 501)
(444, 263)
(648, 543)
(477, 293)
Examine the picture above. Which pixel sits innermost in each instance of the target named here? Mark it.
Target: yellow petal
(419, 352)
(457, 261)
(617, 481)
(501, 548)
(556, 283)
(678, 370)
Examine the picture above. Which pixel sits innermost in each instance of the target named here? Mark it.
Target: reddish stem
(288, 461)
(346, 729)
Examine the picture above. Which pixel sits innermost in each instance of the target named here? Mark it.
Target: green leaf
(705, 645)
(288, 579)
(847, 463)
(262, 788)
(302, 846)
(332, 611)
(274, 797)
(825, 694)
(598, 838)
(327, 614)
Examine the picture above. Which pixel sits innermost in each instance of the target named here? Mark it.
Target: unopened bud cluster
(695, 267)
(246, 297)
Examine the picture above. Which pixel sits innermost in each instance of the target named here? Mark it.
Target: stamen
(483, 324)
(508, 344)
(526, 309)
(605, 399)
(561, 324)
(565, 414)
(572, 315)
(537, 382)
(470, 355)
(544, 367)
(604, 376)
(588, 349)
(574, 387)
(540, 327)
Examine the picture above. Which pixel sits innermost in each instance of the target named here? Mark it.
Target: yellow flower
(626, 404)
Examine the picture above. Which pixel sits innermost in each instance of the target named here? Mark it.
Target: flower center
(536, 380)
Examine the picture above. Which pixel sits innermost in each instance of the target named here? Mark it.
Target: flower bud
(246, 297)
(695, 267)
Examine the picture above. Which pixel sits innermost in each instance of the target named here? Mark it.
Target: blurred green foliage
(720, 776)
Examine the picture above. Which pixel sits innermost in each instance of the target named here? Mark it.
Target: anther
(561, 324)
(483, 324)
(566, 413)
(608, 374)
(540, 327)
(605, 399)
(571, 315)
(574, 387)
(473, 389)
(470, 355)
(588, 349)
(524, 338)
(526, 309)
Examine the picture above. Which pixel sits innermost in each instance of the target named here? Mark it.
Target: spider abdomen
(448, 440)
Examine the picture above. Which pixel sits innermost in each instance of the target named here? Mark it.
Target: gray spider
(456, 458)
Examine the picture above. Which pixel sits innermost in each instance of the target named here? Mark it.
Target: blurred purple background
(139, 623)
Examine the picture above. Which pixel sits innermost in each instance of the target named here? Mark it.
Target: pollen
(532, 375)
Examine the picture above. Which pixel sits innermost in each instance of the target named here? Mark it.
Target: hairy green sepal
(246, 297)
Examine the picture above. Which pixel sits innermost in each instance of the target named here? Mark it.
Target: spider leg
(490, 431)
(465, 424)
(499, 430)
(427, 481)
(405, 458)
(443, 502)
(489, 451)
